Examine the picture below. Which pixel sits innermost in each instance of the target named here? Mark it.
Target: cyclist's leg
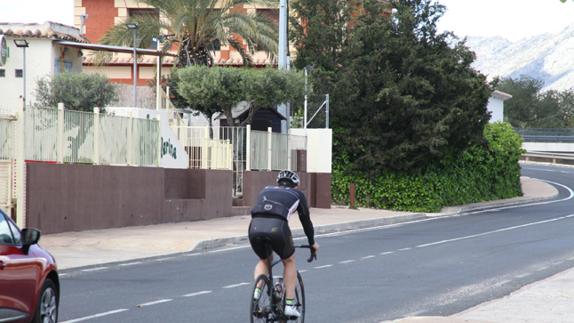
(290, 276)
(259, 240)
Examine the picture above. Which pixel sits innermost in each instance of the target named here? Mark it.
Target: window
(5, 233)
(139, 12)
(2, 73)
(18, 73)
(15, 232)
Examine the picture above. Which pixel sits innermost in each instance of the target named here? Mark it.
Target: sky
(511, 19)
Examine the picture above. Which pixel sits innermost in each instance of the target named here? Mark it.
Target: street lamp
(134, 28)
(23, 43)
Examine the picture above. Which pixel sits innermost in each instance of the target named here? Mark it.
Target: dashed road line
(236, 285)
(386, 253)
(94, 269)
(85, 318)
(203, 292)
(522, 275)
(324, 266)
(164, 259)
(160, 301)
(130, 264)
(405, 249)
(347, 261)
(368, 257)
(302, 271)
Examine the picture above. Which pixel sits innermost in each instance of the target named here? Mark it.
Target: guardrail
(553, 158)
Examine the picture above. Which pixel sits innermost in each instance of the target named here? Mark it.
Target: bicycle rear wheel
(260, 308)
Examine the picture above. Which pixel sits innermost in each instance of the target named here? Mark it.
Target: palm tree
(196, 26)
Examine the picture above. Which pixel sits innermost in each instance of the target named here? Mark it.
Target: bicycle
(271, 302)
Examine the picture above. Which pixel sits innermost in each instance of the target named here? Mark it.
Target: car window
(5, 233)
(15, 231)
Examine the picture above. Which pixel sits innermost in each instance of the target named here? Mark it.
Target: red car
(29, 284)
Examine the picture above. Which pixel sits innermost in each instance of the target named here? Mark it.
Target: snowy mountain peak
(548, 57)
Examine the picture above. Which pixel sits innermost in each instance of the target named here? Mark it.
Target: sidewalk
(549, 300)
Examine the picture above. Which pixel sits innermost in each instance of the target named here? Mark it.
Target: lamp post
(23, 43)
(134, 28)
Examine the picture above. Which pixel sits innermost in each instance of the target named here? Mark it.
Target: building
(96, 17)
(496, 105)
(45, 57)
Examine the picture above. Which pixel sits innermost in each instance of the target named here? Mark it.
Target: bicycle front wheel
(300, 298)
(261, 307)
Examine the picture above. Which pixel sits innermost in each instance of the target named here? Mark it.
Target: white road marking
(131, 263)
(155, 302)
(324, 266)
(386, 253)
(63, 275)
(522, 275)
(164, 259)
(85, 318)
(302, 271)
(347, 261)
(203, 292)
(192, 254)
(405, 249)
(94, 269)
(368, 257)
(543, 268)
(496, 231)
(237, 285)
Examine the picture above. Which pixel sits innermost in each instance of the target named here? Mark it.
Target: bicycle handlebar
(313, 252)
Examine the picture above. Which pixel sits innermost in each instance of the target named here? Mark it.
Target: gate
(7, 162)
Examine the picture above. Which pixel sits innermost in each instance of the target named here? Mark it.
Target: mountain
(548, 57)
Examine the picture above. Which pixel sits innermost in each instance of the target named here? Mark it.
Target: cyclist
(269, 227)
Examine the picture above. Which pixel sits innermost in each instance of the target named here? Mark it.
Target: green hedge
(481, 173)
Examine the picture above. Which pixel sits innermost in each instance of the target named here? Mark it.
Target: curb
(208, 245)
(214, 244)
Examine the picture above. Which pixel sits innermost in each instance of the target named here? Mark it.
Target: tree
(218, 89)
(198, 26)
(82, 92)
(406, 95)
(529, 108)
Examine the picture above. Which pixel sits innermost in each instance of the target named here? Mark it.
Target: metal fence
(65, 136)
(546, 134)
(238, 149)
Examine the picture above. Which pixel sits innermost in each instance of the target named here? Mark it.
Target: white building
(496, 105)
(45, 57)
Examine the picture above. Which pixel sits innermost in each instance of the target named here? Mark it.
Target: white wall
(496, 108)
(167, 135)
(40, 61)
(548, 146)
(319, 148)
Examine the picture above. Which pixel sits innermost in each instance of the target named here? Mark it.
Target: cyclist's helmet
(288, 178)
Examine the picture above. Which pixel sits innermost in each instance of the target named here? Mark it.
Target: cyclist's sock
(257, 293)
(289, 301)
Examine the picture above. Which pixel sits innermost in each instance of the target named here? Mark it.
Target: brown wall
(316, 186)
(64, 198)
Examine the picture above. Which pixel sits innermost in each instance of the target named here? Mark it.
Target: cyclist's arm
(305, 218)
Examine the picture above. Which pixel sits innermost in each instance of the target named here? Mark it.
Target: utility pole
(283, 54)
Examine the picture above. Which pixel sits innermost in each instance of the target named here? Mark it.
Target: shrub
(481, 173)
(77, 91)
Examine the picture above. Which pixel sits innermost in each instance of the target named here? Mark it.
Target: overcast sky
(511, 19)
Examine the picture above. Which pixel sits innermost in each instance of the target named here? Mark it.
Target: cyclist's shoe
(291, 311)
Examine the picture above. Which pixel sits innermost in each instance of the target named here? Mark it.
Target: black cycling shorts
(271, 234)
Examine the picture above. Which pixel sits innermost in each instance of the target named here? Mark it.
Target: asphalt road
(439, 266)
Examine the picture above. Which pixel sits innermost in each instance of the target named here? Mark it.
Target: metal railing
(66, 136)
(546, 134)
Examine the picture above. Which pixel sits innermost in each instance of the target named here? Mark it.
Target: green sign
(3, 50)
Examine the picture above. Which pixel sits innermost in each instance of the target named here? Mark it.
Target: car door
(19, 274)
